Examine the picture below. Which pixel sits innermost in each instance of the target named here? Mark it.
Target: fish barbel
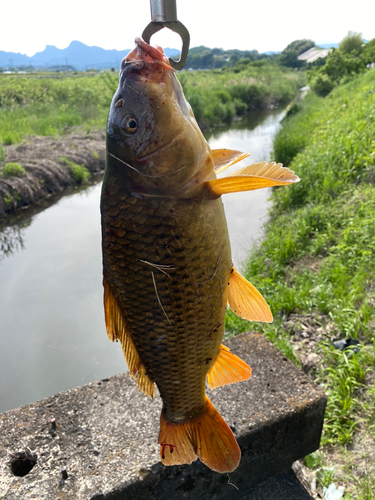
(168, 273)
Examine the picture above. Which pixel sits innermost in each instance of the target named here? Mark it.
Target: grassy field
(316, 268)
(50, 104)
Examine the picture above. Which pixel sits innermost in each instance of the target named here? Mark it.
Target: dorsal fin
(116, 330)
(227, 369)
(245, 300)
(255, 176)
(224, 158)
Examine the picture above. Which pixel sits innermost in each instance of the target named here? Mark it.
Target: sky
(28, 26)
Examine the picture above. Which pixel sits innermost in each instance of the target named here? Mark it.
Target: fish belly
(167, 262)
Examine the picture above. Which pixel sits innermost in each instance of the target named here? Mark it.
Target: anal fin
(227, 369)
(116, 330)
(144, 382)
(207, 437)
(245, 300)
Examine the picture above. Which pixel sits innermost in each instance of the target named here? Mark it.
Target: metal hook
(164, 15)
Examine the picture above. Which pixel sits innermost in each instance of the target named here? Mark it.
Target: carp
(167, 269)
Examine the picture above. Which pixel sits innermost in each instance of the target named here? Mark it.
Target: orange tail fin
(207, 437)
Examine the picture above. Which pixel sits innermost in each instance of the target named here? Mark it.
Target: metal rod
(163, 11)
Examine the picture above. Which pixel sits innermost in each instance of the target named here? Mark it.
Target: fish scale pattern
(168, 262)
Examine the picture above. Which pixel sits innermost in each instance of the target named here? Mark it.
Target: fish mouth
(146, 53)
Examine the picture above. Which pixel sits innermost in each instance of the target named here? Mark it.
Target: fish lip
(154, 52)
(133, 64)
(148, 54)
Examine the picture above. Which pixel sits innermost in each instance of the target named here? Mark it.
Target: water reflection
(246, 212)
(11, 239)
(52, 333)
(52, 329)
(248, 123)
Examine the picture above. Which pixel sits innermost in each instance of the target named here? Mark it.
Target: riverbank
(316, 268)
(52, 127)
(42, 167)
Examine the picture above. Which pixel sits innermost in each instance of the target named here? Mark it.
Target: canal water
(52, 329)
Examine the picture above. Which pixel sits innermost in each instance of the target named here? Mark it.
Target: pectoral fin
(227, 369)
(245, 300)
(116, 330)
(255, 176)
(224, 158)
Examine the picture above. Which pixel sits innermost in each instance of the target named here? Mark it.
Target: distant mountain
(333, 45)
(78, 55)
(328, 45)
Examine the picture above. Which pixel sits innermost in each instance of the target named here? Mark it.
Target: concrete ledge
(107, 432)
(284, 486)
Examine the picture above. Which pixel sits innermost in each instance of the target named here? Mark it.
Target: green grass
(79, 172)
(294, 136)
(318, 254)
(49, 105)
(216, 96)
(13, 170)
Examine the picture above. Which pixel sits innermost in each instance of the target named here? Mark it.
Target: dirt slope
(46, 170)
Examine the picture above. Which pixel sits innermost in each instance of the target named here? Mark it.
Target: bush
(339, 67)
(14, 170)
(368, 54)
(251, 94)
(241, 107)
(322, 85)
(292, 110)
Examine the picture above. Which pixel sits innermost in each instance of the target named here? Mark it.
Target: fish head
(153, 139)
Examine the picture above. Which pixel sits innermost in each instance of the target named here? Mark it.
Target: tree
(368, 54)
(289, 56)
(339, 65)
(352, 44)
(300, 46)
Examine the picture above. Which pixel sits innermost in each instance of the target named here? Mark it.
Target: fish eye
(129, 125)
